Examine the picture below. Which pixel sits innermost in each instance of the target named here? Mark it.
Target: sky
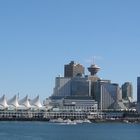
(37, 37)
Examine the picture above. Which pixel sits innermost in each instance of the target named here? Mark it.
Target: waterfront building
(72, 115)
(71, 107)
(138, 89)
(85, 104)
(127, 91)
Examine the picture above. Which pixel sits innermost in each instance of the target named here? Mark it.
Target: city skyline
(38, 38)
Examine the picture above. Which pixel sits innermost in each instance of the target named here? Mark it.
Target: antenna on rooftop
(93, 60)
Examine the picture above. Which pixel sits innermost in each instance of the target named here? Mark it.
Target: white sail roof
(25, 102)
(3, 101)
(14, 101)
(36, 102)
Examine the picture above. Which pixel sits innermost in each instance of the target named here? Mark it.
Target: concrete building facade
(77, 86)
(106, 94)
(62, 87)
(127, 91)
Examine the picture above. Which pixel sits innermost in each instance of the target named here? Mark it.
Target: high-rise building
(127, 91)
(73, 69)
(106, 93)
(74, 87)
(138, 89)
(74, 83)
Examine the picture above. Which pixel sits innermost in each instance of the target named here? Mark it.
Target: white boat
(69, 122)
(63, 122)
(59, 120)
(82, 121)
(86, 121)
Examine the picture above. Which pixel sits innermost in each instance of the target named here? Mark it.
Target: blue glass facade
(138, 89)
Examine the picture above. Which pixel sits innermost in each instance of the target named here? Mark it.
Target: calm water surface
(50, 131)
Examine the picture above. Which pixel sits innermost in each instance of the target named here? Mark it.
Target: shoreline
(91, 121)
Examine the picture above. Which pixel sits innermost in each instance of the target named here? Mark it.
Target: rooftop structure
(73, 69)
(36, 102)
(3, 102)
(25, 102)
(15, 103)
(93, 69)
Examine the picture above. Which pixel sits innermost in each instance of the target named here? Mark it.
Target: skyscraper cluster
(76, 85)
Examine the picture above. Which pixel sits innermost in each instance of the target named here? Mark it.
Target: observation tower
(93, 69)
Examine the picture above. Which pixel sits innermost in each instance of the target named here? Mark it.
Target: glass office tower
(138, 89)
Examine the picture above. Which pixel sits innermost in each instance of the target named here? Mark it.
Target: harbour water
(53, 131)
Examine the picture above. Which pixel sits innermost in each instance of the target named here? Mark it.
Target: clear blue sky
(37, 37)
